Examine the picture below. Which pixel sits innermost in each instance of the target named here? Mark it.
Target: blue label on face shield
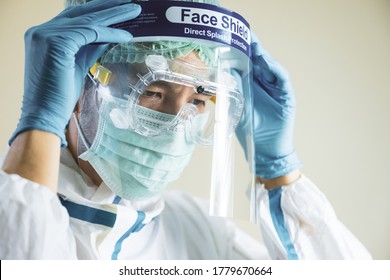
(191, 20)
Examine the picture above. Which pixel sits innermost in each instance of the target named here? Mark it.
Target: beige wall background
(338, 55)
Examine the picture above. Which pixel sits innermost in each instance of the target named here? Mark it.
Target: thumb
(89, 54)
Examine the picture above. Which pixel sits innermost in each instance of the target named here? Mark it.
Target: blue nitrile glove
(58, 56)
(274, 113)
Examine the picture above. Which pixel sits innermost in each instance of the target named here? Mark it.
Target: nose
(174, 101)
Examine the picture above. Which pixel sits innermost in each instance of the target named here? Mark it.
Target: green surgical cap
(137, 52)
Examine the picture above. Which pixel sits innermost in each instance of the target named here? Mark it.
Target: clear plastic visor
(192, 88)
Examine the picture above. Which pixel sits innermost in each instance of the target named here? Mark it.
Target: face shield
(182, 82)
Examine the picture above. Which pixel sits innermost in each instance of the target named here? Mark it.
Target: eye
(198, 102)
(149, 98)
(200, 99)
(149, 93)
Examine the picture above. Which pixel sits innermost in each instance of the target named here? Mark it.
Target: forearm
(34, 155)
(280, 181)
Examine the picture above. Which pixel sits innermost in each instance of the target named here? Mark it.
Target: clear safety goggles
(179, 89)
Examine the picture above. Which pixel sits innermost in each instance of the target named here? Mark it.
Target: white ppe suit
(85, 222)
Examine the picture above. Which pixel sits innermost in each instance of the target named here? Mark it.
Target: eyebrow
(163, 84)
(168, 86)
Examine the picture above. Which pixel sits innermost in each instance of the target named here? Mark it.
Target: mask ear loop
(80, 134)
(94, 70)
(88, 181)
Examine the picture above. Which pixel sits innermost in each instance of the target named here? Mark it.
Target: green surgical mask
(137, 167)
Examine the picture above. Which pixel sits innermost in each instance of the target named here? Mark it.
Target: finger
(271, 79)
(102, 34)
(272, 72)
(263, 99)
(91, 7)
(267, 69)
(78, 36)
(89, 54)
(263, 61)
(257, 47)
(111, 16)
(280, 91)
(93, 28)
(274, 79)
(262, 70)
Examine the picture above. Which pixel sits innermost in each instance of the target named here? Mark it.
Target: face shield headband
(187, 71)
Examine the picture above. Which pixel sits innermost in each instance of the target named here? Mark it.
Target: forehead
(191, 60)
(189, 65)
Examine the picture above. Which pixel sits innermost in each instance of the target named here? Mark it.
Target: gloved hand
(274, 113)
(58, 56)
